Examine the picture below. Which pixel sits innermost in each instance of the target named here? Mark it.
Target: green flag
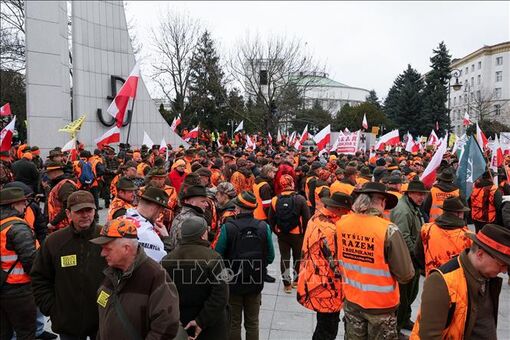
(472, 165)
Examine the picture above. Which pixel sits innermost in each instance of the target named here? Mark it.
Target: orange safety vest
(438, 198)
(307, 189)
(361, 180)
(482, 204)
(30, 217)
(259, 212)
(77, 173)
(366, 274)
(115, 205)
(387, 212)
(9, 257)
(342, 187)
(457, 289)
(319, 286)
(55, 206)
(140, 168)
(441, 245)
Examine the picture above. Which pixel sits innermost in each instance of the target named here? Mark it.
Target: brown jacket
(148, 297)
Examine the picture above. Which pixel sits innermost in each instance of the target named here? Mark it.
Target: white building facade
(485, 93)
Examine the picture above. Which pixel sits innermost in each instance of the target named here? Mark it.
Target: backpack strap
(128, 326)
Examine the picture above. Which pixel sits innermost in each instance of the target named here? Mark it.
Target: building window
(479, 79)
(499, 76)
(472, 81)
(467, 70)
(478, 95)
(454, 101)
(499, 61)
(479, 65)
(497, 109)
(497, 92)
(460, 73)
(473, 68)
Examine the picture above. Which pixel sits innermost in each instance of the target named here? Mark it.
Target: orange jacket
(438, 197)
(342, 187)
(366, 274)
(9, 257)
(55, 206)
(455, 281)
(319, 285)
(441, 245)
(308, 194)
(482, 204)
(113, 185)
(116, 205)
(241, 182)
(216, 177)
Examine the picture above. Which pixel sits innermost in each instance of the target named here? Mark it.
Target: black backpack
(286, 213)
(247, 259)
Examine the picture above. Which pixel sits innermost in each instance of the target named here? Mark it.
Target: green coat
(409, 219)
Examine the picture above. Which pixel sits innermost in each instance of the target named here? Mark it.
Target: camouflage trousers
(363, 326)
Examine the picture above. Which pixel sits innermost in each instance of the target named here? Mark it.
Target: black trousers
(327, 326)
(288, 243)
(408, 293)
(17, 314)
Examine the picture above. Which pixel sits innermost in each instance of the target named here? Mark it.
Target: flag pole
(130, 118)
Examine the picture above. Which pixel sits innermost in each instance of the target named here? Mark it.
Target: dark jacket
(186, 212)
(435, 306)
(505, 211)
(300, 205)
(409, 219)
(25, 171)
(67, 272)
(147, 296)
(65, 191)
(195, 269)
(21, 240)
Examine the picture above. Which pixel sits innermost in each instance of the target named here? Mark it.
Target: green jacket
(409, 219)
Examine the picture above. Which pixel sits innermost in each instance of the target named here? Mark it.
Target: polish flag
(365, 123)
(412, 145)
(496, 157)
(429, 175)
(391, 138)
(269, 138)
(128, 90)
(323, 137)
(147, 140)
(192, 134)
(433, 140)
(304, 135)
(279, 138)
(176, 122)
(5, 110)
(480, 138)
(239, 127)
(292, 138)
(249, 143)
(109, 137)
(69, 145)
(6, 135)
(466, 121)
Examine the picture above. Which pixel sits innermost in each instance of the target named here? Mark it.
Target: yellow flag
(453, 139)
(74, 126)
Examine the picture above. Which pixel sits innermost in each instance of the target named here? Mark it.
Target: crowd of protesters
(188, 236)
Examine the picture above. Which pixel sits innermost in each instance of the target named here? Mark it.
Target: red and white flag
(497, 158)
(69, 145)
(147, 140)
(250, 143)
(292, 138)
(480, 138)
(304, 135)
(323, 137)
(429, 175)
(412, 145)
(391, 138)
(5, 110)
(192, 134)
(466, 121)
(176, 122)
(162, 146)
(279, 138)
(128, 90)
(6, 135)
(269, 138)
(364, 123)
(433, 139)
(109, 137)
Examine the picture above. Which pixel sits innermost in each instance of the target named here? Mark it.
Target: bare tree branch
(12, 35)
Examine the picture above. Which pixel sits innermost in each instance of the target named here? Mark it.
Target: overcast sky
(363, 44)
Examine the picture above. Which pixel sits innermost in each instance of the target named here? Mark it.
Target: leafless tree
(175, 40)
(483, 104)
(12, 35)
(267, 70)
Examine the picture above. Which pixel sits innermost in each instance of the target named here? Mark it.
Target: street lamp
(231, 123)
(457, 86)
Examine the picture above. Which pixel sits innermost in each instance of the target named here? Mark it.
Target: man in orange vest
(126, 194)
(347, 184)
(319, 284)
(263, 191)
(440, 191)
(443, 239)
(374, 259)
(486, 200)
(62, 186)
(460, 298)
(17, 252)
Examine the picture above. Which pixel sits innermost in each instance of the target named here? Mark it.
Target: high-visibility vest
(307, 189)
(438, 198)
(342, 187)
(9, 257)
(482, 204)
(259, 213)
(441, 245)
(319, 286)
(140, 168)
(29, 217)
(457, 290)
(366, 274)
(116, 205)
(387, 212)
(361, 180)
(55, 206)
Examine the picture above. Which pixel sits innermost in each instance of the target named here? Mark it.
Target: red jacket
(283, 169)
(176, 179)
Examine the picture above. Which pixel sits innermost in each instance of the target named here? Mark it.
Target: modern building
(484, 76)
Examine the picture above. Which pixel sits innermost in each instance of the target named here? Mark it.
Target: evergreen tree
(435, 94)
(352, 118)
(316, 117)
(373, 99)
(207, 98)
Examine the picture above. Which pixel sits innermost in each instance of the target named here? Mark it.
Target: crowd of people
(184, 250)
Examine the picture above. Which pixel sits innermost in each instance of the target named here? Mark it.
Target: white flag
(239, 127)
(69, 145)
(147, 140)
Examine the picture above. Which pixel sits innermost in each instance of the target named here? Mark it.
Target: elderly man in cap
(68, 271)
(137, 299)
(246, 245)
(17, 252)
(319, 284)
(124, 200)
(409, 219)
(62, 186)
(374, 259)
(443, 239)
(152, 233)
(203, 294)
(460, 298)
